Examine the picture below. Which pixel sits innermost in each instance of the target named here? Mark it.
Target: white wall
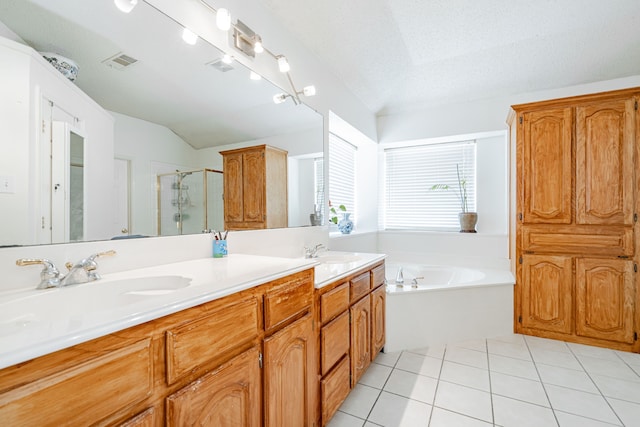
(151, 149)
(477, 116)
(27, 77)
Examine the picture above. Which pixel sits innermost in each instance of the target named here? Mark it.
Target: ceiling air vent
(120, 61)
(219, 65)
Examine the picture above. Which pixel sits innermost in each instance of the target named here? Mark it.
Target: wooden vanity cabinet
(577, 229)
(255, 188)
(214, 364)
(351, 314)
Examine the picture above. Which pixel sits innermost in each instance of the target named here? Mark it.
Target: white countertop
(37, 322)
(336, 265)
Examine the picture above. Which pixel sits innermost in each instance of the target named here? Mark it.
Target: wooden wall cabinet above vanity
(255, 188)
(577, 219)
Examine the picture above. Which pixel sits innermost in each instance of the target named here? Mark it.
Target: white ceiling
(399, 55)
(171, 85)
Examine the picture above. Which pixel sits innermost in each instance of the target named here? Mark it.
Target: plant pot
(345, 225)
(315, 218)
(468, 222)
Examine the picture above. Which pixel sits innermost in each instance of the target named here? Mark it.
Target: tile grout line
(596, 386)
(546, 393)
(493, 414)
(435, 392)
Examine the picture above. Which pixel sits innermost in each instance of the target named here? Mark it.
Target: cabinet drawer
(377, 276)
(334, 302)
(334, 389)
(360, 286)
(288, 299)
(83, 394)
(197, 342)
(334, 340)
(576, 239)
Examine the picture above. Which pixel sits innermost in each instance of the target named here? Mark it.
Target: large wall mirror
(138, 132)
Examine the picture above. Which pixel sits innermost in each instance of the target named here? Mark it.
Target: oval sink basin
(16, 323)
(338, 259)
(154, 285)
(69, 304)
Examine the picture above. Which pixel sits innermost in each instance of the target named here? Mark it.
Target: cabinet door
(546, 176)
(604, 164)
(290, 379)
(227, 397)
(233, 197)
(360, 338)
(378, 299)
(254, 186)
(546, 292)
(604, 294)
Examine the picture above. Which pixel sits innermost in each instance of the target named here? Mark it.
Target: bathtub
(440, 304)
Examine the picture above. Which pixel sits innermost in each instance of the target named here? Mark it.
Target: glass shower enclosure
(190, 202)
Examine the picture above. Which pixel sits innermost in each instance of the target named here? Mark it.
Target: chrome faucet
(313, 252)
(49, 276)
(84, 270)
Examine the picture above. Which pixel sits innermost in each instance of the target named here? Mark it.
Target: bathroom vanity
(264, 345)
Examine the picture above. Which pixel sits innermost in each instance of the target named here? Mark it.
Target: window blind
(318, 172)
(411, 202)
(342, 174)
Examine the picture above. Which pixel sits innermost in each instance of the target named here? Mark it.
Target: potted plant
(467, 219)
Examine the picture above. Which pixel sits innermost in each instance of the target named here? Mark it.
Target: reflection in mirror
(144, 104)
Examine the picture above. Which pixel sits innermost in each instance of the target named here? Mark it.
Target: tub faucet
(399, 277)
(84, 270)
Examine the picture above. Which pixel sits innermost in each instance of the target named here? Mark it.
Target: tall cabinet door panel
(227, 397)
(254, 175)
(546, 179)
(360, 338)
(290, 375)
(604, 163)
(546, 292)
(604, 299)
(378, 299)
(233, 194)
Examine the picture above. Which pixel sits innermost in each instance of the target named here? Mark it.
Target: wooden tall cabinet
(255, 188)
(576, 229)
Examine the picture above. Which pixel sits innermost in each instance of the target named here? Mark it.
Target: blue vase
(345, 225)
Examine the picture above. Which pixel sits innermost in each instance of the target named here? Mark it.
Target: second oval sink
(149, 286)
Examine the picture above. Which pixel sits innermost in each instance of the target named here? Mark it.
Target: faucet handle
(49, 276)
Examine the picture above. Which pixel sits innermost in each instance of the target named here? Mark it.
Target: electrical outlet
(7, 184)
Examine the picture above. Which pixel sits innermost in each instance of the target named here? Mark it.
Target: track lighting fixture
(280, 98)
(125, 6)
(245, 40)
(223, 19)
(283, 64)
(189, 36)
(257, 44)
